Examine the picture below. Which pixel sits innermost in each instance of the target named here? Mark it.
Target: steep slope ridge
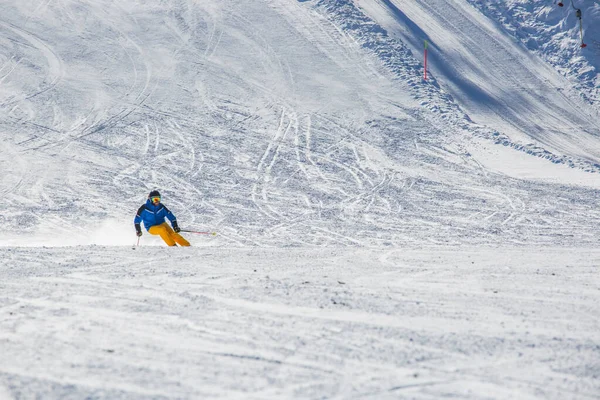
(553, 32)
(497, 80)
(274, 122)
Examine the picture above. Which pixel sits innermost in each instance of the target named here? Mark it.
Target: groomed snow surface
(336, 323)
(378, 236)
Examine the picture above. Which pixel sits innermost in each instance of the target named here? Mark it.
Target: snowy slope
(498, 81)
(430, 323)
(378, 236)
(313, 128)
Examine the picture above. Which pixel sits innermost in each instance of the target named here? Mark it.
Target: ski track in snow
(54, 64)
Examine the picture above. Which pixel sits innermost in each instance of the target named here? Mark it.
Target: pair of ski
(183, 230)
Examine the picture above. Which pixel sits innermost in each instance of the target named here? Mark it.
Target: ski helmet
(154, 193)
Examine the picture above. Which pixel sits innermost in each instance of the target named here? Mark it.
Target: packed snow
(326, 322)
(378, 235)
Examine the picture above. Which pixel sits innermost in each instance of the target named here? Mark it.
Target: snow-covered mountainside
(288, 123)
(377, 233)
(497, 80)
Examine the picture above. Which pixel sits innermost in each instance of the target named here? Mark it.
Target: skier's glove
(138, 230)
(176, 227)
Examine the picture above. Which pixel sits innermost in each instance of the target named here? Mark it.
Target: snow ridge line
(399, 59)
(393, 53)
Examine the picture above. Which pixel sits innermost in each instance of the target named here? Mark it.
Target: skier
(153, 214)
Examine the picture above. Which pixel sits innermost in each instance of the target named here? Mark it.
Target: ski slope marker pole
(425, 62)
(583, 45)
(199, 233)
(578, 15)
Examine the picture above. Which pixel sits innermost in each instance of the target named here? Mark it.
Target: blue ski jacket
(153, 215)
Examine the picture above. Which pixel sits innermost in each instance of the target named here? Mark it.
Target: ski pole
(199, 233)
(137, 244)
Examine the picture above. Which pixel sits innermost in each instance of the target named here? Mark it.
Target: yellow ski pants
(168, 235)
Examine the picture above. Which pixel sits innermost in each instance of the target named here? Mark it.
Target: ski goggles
(155, 199)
